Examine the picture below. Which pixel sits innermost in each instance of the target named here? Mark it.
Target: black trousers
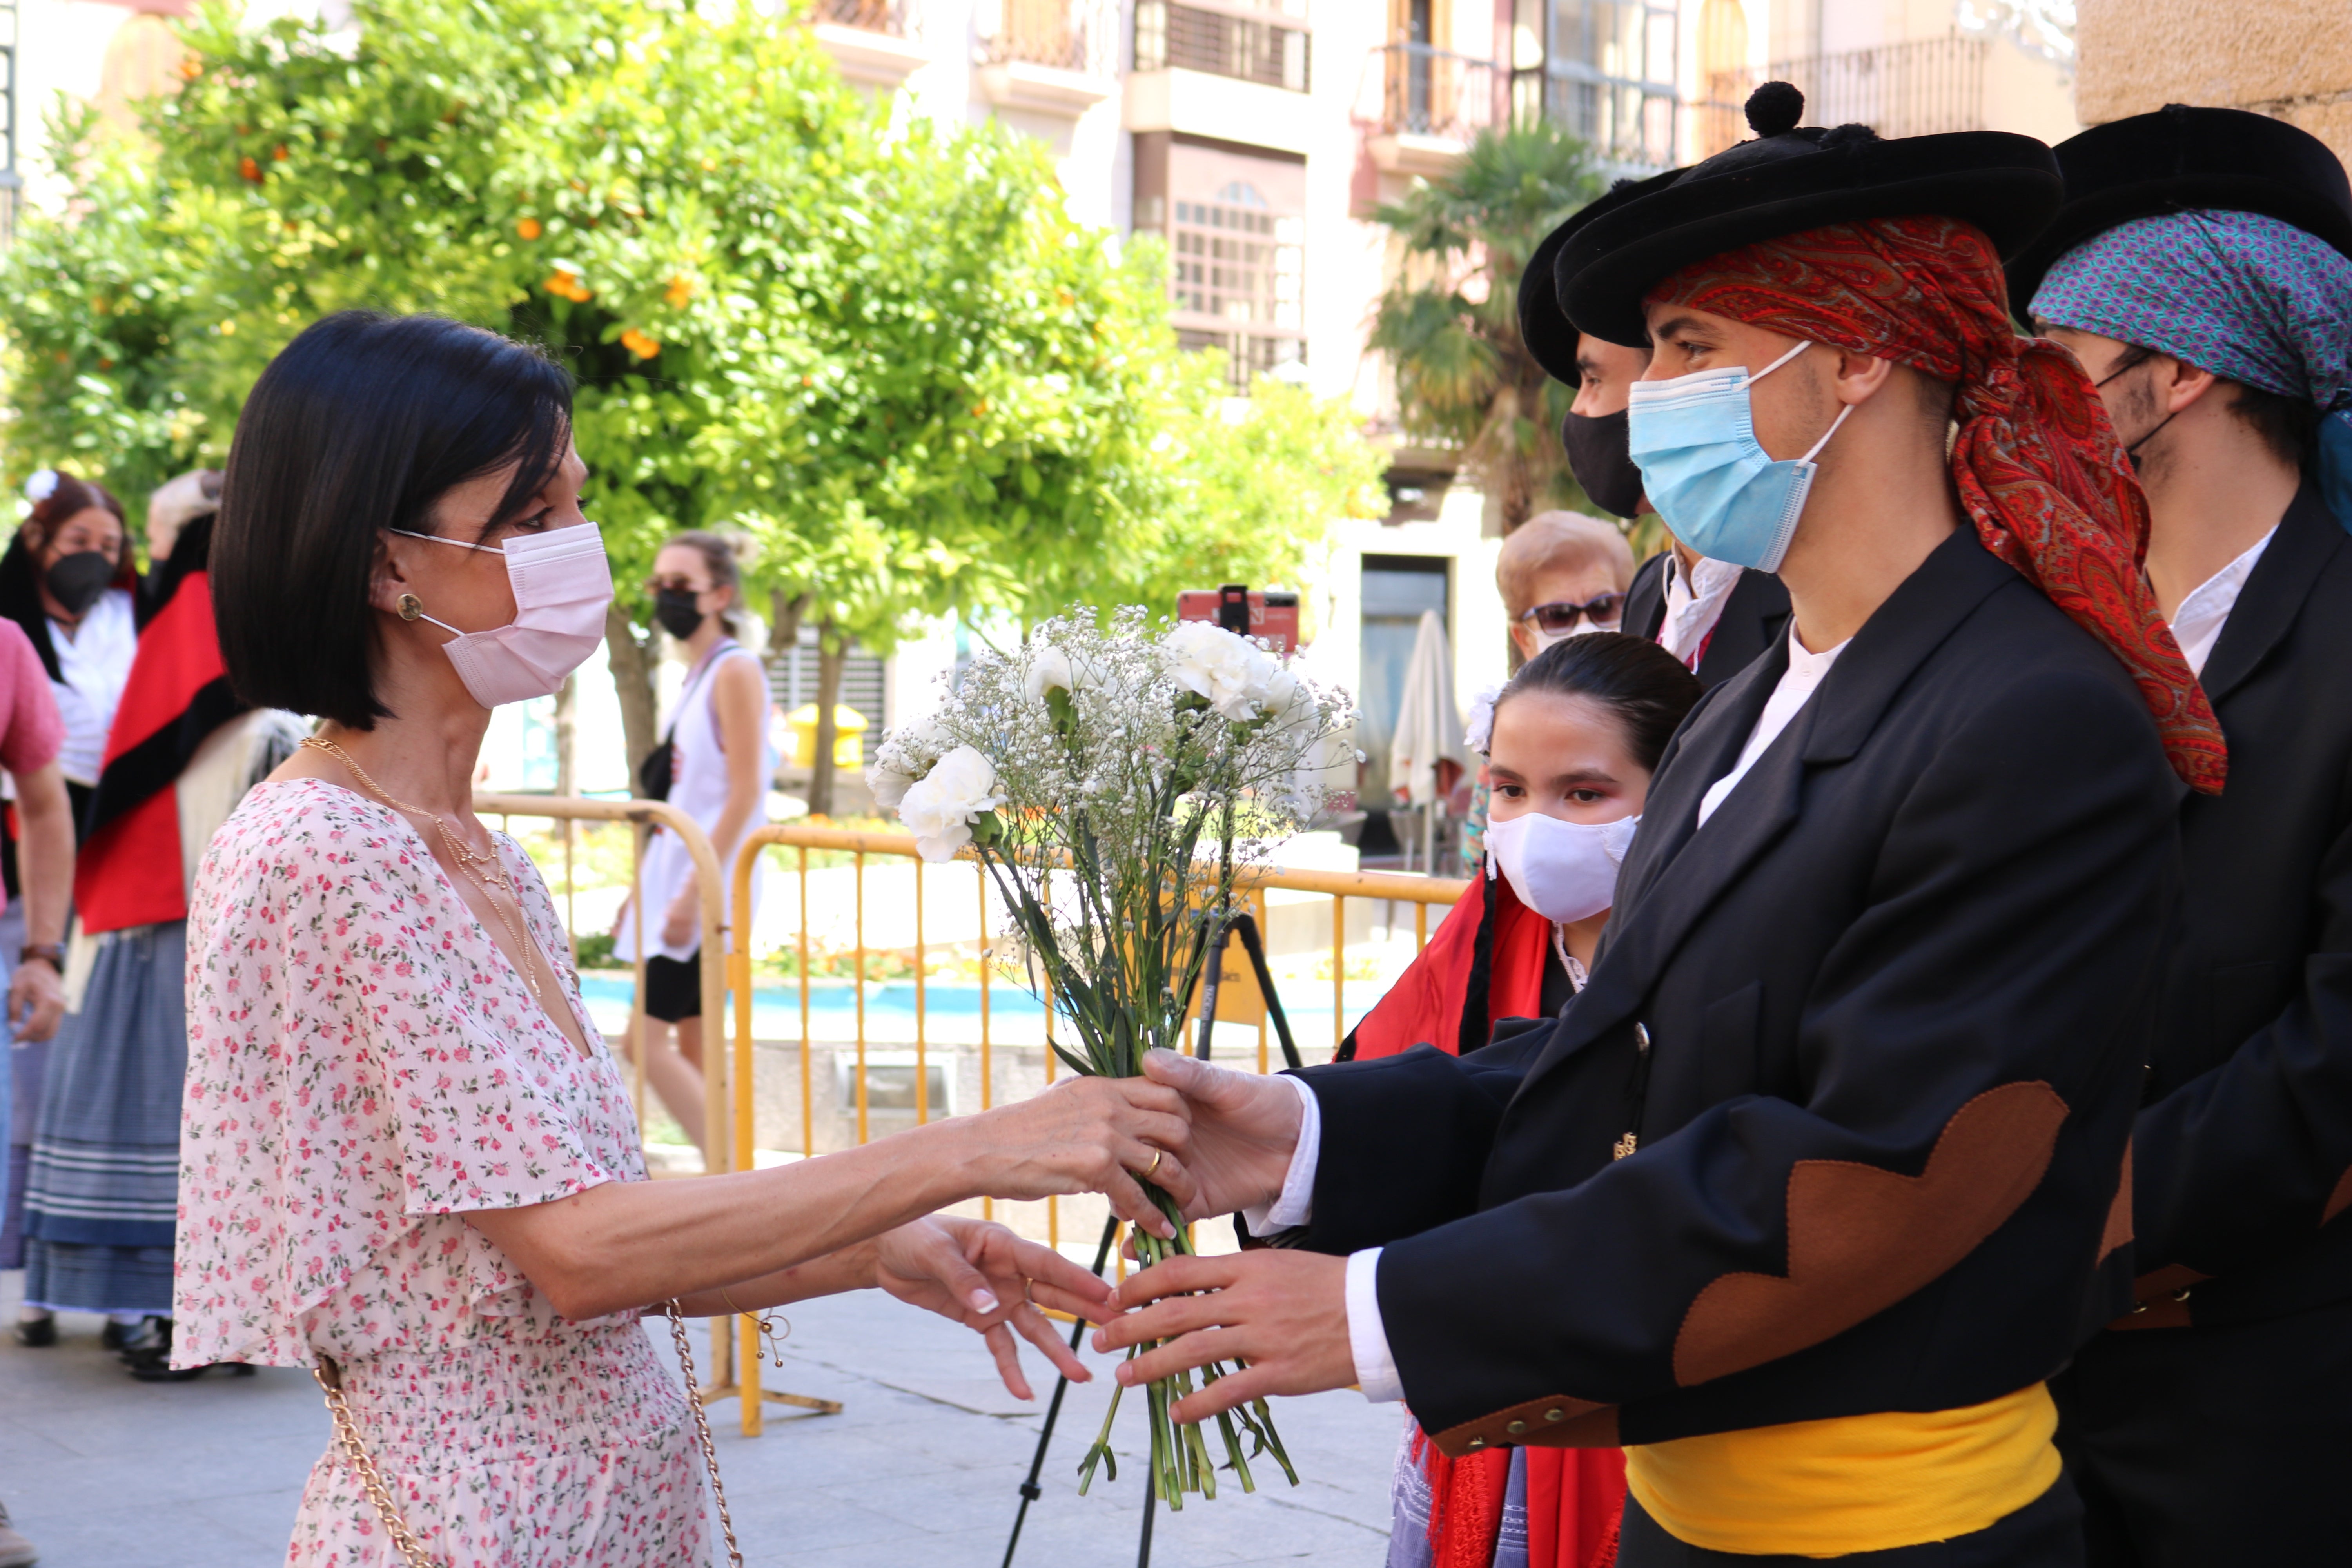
(2045, 1533)
(2214, 1448)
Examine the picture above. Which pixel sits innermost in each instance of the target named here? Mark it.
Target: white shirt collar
(1694, 604)
(2196, 625)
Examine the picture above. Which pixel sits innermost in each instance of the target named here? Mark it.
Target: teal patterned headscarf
(2249, 297)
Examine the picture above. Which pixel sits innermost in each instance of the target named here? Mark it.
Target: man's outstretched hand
(1245, 1129)
(1283, 1313)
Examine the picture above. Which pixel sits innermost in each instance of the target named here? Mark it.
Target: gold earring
(410, 606)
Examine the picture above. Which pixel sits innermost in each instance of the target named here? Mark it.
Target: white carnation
(1048, 667)
(1480, 735)
(902, 759)
(1234, 673)
(940, 807)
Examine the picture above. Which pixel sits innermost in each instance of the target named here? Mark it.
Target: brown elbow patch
(1861, 1238)
(1556, 1421)
(2339, 1200)
(2118, 1230)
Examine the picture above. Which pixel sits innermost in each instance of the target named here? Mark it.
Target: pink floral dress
(365, 1068)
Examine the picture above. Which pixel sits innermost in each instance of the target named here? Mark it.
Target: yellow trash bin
(848, 736)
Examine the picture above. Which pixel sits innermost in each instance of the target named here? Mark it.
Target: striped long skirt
(102, 1186)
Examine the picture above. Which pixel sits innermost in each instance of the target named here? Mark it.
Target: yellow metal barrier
(727, 1138)
(1421, 892)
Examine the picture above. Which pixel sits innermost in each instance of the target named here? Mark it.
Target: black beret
(1549, 335)
(2178, 158)
(1789, 179)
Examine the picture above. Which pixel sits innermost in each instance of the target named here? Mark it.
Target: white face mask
(1581, 629)
(562, 585)
(1565, 871)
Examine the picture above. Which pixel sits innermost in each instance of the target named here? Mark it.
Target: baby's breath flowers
(1112, 784)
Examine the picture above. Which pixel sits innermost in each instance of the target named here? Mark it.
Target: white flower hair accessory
(41, 486)
(1480, 736)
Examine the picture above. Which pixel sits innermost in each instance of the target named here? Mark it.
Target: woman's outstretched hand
(1104, 1135)
(1243, 1129)
(980, 1275)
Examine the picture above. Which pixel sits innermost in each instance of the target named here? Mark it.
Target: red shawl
(2038, 467)
(1574, 1495)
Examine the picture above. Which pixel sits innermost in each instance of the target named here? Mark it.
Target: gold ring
(1157, 1155)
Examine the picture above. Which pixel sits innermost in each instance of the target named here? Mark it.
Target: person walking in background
(1574, 739)
(67, 579)
(30, 735)
(1560, 575)
(101, 1183)
(2200, 270)
(714, 764)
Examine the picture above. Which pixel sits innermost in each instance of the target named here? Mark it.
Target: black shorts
(674, 987)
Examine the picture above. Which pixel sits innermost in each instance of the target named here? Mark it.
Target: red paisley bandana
(2038, 469)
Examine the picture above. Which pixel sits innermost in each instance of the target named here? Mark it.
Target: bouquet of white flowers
(1112, 784)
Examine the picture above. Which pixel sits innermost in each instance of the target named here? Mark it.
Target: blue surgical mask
(1694, 438)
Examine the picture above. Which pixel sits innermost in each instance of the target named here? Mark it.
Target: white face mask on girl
(1565, 871)
(563, 584)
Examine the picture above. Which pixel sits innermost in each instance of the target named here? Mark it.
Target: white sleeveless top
(698, 788)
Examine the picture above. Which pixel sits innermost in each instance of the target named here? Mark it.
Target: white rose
(1048, 667)
(888, 784)
(940, 807)
(1230, 672)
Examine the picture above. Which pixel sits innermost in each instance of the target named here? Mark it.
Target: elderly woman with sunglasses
(1560, 575)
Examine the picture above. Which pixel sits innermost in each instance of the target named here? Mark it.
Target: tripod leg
(1030, 1492)
(1213, 975)
(1150, 1501)
(1255, 948)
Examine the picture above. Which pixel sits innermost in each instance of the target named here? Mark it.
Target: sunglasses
(1604, 611)
(674, 585)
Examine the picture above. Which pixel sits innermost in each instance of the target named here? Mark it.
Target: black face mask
(1597, 456)
(675, 609)
(76, 581)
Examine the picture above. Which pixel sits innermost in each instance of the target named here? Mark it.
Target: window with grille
(1237, 255)
(1605, 68)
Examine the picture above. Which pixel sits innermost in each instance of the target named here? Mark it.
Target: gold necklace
(465, 854)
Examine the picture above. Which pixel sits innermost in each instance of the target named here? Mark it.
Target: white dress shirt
(1694, 604)
(2196, 625)
(1805, 672)
(96, 664)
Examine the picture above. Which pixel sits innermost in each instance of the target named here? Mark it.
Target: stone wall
(2289, 58)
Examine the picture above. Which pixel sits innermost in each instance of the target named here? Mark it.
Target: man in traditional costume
(1819, 1179)
(2201, 269)
(1712, 614)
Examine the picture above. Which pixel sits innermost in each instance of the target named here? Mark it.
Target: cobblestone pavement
(920, 1470)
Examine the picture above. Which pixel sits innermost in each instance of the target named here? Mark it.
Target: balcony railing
(1267, 44)
(1429, 91)
(894, 18)
(1920, 89)
(1079, 36)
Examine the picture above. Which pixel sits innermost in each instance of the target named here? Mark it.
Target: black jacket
(1755, 618)
(2243, 1155)
(1894, 995)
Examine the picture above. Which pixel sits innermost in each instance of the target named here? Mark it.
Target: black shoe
(40, 1333)
(149, 1357)
(120, 1336)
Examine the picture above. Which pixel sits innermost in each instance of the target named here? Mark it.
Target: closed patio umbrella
(1428, 733)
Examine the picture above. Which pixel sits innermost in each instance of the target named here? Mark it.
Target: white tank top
(698, 788)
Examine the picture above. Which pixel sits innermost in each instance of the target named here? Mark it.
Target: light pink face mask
(562, 585)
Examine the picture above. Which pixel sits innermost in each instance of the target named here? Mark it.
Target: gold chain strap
(403, 1539)
(463, 852)
(702, 1426)
(347, 1437)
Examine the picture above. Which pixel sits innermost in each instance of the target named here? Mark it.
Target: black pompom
(1774, 109)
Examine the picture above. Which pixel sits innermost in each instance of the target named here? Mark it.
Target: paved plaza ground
(922, 1469)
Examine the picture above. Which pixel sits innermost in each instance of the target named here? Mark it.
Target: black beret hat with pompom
(2175, 158)
(1544, 327)
(1789, 179)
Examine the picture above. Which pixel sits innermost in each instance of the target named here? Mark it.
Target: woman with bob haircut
(409, 1159)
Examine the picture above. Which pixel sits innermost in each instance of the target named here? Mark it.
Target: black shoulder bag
(659, 770)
